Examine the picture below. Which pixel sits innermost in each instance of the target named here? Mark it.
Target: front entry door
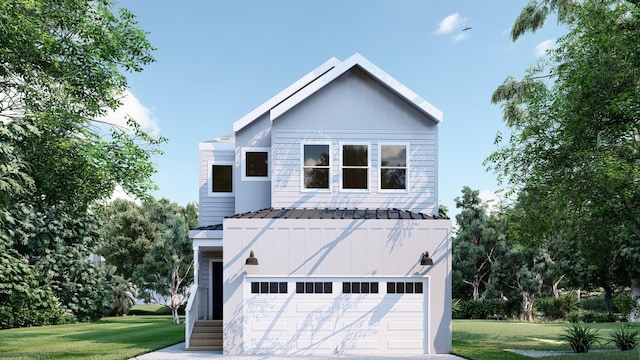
(216, 290)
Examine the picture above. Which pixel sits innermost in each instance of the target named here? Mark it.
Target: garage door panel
(321, 323)
(404, 326)
(270, 326)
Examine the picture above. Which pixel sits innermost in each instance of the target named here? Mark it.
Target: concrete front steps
(206, 335)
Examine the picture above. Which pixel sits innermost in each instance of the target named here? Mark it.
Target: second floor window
(355, 167)
(255, 164)
(316, 166)
(393, 167)
(221, 178)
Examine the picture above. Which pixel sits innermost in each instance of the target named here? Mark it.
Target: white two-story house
(320, 231)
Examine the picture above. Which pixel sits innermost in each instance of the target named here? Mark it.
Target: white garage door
(335, 316)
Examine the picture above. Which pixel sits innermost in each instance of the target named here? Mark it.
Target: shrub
(625, 304)
(557, 308)
(625, 337)
(580, 337)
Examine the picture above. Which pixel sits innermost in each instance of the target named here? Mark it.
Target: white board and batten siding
(327, 250)
(355, 109)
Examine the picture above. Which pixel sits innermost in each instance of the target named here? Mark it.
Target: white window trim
(408, 173)
(368, 189)
(210, 179)
(302, 188)
(243, 164)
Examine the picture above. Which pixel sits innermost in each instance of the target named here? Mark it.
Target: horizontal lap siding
(213, 209)
(422, 170)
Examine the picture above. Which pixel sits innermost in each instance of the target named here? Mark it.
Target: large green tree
(573, 155)
(62, 68)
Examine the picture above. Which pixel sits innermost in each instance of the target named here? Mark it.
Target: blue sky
(218, 60)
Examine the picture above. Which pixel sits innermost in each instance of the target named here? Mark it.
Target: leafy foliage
(580, 337)
(625, 337)
(573, 156)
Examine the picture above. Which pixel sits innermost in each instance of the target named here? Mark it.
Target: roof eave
(285, 94)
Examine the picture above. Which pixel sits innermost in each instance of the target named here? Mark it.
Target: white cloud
(131, 106)
(542, 48)
(450, 23)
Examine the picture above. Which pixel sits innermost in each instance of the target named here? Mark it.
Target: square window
(418, 288)
(273, 287)
(328, 288)
(299, 288)
(256, 164)
(391, 288)
(264, 287)
(355, 179)
(308, 288)
(255, 288)
(315, 162)
(221, 178)
(283, 288)
(400, 288)
(355, 288)
(364, 288)
(346, 288)
(374, 287)
(318, 288)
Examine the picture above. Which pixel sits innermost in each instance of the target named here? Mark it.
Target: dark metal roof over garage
(304, 213)
(326, 213)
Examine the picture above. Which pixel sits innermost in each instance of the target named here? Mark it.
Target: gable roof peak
(325, 74)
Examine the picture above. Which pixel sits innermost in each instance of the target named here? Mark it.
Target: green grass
(110, 338)
(489, 339)
(149, 309)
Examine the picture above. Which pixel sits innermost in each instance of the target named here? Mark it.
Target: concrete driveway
(176, 352)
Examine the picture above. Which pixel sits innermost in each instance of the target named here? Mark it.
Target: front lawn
(110, 338)
(489, 339)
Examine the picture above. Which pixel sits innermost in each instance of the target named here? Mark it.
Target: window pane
(355, 155)
(355, 288)
(308, 288)
(318, 288)
(394, 155)
(316, 178)
(316, 155)
(409, 288)
(364, 288)
(328, 288)
(283, 288)
(222, 176)
(391, 288)
(393, 178)
(418, 288)
(264, 287)
(273, 287)
(255, 287)
(400, 288)
(257, 164)
(346, 288)
(300, 288)
(354, 179)
(374, 287)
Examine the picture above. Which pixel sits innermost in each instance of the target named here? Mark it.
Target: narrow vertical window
(393, 167)
(316, 166)
(221, 178)
(355, 167)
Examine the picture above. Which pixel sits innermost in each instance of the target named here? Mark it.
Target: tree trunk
(174, 312)
(554, 287)
(635, 313)
(527, 306)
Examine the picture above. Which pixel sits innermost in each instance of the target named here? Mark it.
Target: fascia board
(387, 80)
(284, 94)
(205, 234)
(217, 146)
